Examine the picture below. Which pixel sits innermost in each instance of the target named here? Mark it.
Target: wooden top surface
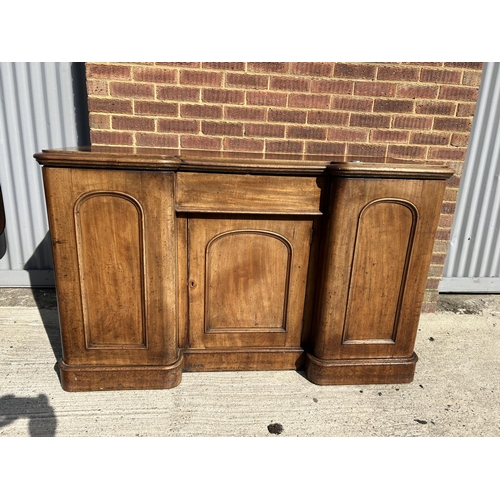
(135, 158)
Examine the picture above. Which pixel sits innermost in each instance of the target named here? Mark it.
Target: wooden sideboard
(169, 261)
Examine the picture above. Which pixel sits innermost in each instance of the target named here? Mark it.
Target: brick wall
(402, 110)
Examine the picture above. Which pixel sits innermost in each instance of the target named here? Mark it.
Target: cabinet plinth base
(202, 360)
(118, 378)
(360, 371)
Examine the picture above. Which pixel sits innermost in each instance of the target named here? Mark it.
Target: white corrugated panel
(37, 110)
(473, 260)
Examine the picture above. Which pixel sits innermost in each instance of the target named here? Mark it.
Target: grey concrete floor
(455, 391)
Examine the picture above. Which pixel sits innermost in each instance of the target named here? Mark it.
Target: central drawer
(265, 194)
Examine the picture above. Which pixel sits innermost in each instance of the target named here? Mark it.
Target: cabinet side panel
(110, 247)
(380, 265)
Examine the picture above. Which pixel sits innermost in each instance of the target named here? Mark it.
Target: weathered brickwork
(403, 110)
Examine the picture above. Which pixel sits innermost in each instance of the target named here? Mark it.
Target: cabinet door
(247, 281)
(113, 238)
(377, 251)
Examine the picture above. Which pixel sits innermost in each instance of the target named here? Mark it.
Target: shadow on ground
(42, 419)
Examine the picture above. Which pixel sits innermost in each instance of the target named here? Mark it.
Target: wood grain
(247, 281)
(115, 283)
(170, 260)
(237, 193)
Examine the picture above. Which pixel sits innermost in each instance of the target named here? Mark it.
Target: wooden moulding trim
(113, 378)
(257, 359)
(360, 371)
(217, 161)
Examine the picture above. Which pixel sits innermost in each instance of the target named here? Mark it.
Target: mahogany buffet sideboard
(169, 261)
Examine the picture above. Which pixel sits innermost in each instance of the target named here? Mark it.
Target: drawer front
(266, 194)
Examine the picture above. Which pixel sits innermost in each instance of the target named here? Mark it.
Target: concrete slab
(455, 391)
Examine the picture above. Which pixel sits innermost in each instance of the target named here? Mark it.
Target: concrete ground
(455, 391)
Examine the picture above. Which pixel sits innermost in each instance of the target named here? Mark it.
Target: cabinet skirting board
(114, 378)
(168, 261)
(360, 371)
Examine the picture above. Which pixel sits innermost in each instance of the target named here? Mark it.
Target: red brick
(268, 67)
(447, 154)
(107, 71)
(247, 81)
(266, 98)
(200, 111)
(432, 284)
(332, 86)
(200, 142)
(428, 307)
(325, 148)
(284, 83)
(113, 106)
(443, 234)
(155, 75)
(312, 68)
(204, 78)
(244, 113)
(284, 146)
(431, 139)
(435, 108)
(226, 66)
(472, 78)
(417, 91)
(412, 122)
(438, 258)
(398, 73)
(308, 101)
(179, 126)
(264, 130)
(440, 246)
(448, 208)
(453, 182)
(460, 140)
(231, 144)
(371, 121)
(133, 123)
(452, 124)
(287, 116)
(223, 96)
(178, 93)
(440, 76)
(423, 63)
(156, 108)
(392, 106)
(307, 133)
(445, 221)
(450, 194)
(347, 135)
(98, 121)
(376, 89)
(466, 109)
(97, 87)
(417, 152)
(111, 138)
(157, 140)
(352, 104)
(354, 71)
(389, 136)
(180, 64)
(366, 150)
(465, 65)
(120, 89)
(327, 118)
(436, 271)
(222, 128)
(458, 93)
